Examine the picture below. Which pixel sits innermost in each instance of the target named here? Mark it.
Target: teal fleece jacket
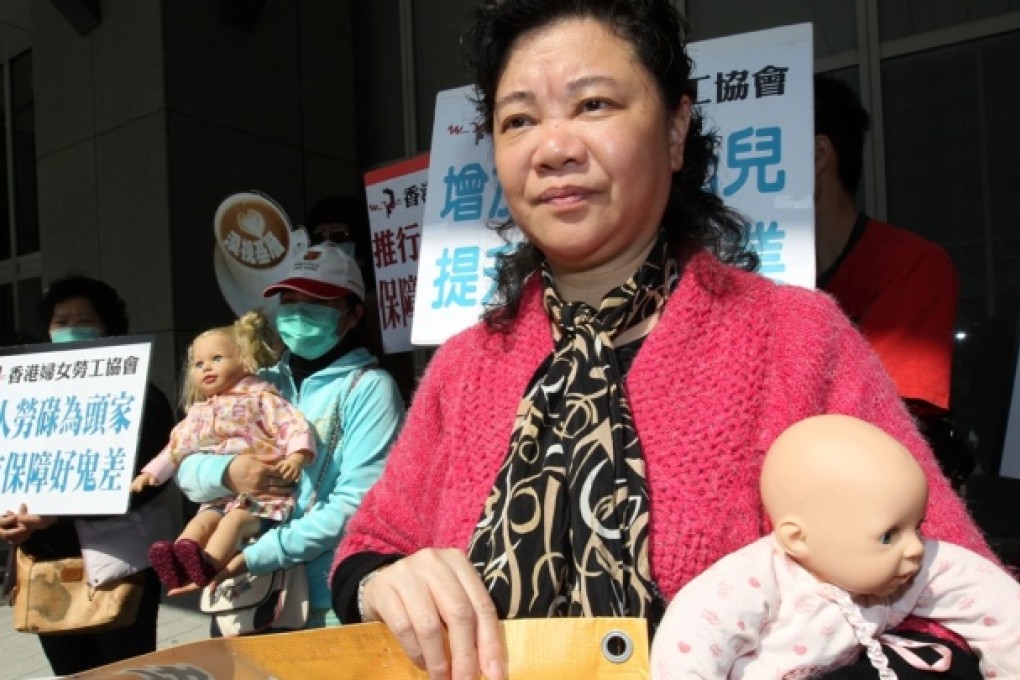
(370, 419)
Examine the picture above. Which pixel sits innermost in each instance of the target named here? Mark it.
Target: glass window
(439, 61)
(7, 318)
(23, 125)
(835, 21)
(29, 294)
(377, 77)
(5, 212)
(901, 18)
(18, 323)
(951, 172)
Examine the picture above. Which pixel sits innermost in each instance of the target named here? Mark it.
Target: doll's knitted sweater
(733, 361)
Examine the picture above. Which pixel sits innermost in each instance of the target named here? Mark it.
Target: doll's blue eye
(886, 538)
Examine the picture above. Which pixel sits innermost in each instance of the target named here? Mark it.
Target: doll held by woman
(845, 562)
(230, 410)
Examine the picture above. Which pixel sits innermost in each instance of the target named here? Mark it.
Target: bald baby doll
(845, 562)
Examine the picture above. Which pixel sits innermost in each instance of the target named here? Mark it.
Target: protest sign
(70, 418)
(396, 197)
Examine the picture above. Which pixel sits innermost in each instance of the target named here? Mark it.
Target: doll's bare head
(846, 501)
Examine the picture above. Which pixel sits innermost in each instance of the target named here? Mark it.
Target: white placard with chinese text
(756, 90)
(396, 205)
(70, 419)
(455, 275)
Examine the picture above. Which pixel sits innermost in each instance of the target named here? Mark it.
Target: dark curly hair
(694, 217)
(104, 300)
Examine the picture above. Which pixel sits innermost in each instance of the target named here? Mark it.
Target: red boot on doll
(195, 562)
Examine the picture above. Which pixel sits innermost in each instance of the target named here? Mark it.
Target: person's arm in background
(372, 416)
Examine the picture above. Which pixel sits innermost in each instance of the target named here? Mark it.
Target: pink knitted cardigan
(733, 361)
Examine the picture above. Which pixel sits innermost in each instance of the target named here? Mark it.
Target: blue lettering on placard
(464, 191)
(764, 153)
(767, 241)
(51, 417)
(457, 283)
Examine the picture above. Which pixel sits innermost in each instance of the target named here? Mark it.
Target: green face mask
(308, 330)
(74, 333)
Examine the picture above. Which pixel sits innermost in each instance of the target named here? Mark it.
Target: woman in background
(80, 308)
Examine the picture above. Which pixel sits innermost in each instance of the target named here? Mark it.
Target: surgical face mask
(307, 329)
(74, 333)
(347, 248)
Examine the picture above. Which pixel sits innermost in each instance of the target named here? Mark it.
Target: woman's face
(76, 312)
(585, 149)
(350, 314)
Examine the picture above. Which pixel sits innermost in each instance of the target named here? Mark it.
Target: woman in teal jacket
(332, 379)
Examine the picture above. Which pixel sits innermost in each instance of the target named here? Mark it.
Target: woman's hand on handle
(15, 528)
(256, 474)
(434, 601)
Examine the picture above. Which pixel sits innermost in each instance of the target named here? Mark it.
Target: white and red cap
(324, 272)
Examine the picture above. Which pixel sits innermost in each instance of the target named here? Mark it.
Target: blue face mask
(347, 248)
(307, 329)
(74, 333)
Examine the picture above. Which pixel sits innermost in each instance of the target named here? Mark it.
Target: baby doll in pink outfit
(845, 562)
(229, 410)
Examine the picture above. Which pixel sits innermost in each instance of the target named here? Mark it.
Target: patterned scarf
(565, 529)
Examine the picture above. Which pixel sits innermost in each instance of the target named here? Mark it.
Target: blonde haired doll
(845, 563)
(229, 411)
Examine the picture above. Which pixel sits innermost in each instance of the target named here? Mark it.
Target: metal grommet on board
(617, 646)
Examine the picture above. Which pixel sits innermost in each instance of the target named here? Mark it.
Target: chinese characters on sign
(756, 91)
(264, 250)
(396, 197)
(461, 272)
(769, 81)
(69, 426)
(459, 249)
(465, 195)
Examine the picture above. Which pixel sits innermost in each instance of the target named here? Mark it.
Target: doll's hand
(289, 469)
(143, 480)
(235, 567)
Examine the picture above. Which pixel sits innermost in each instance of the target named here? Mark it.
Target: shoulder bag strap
(335, 431)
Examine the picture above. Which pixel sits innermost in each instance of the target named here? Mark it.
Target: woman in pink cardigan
(596, 441)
